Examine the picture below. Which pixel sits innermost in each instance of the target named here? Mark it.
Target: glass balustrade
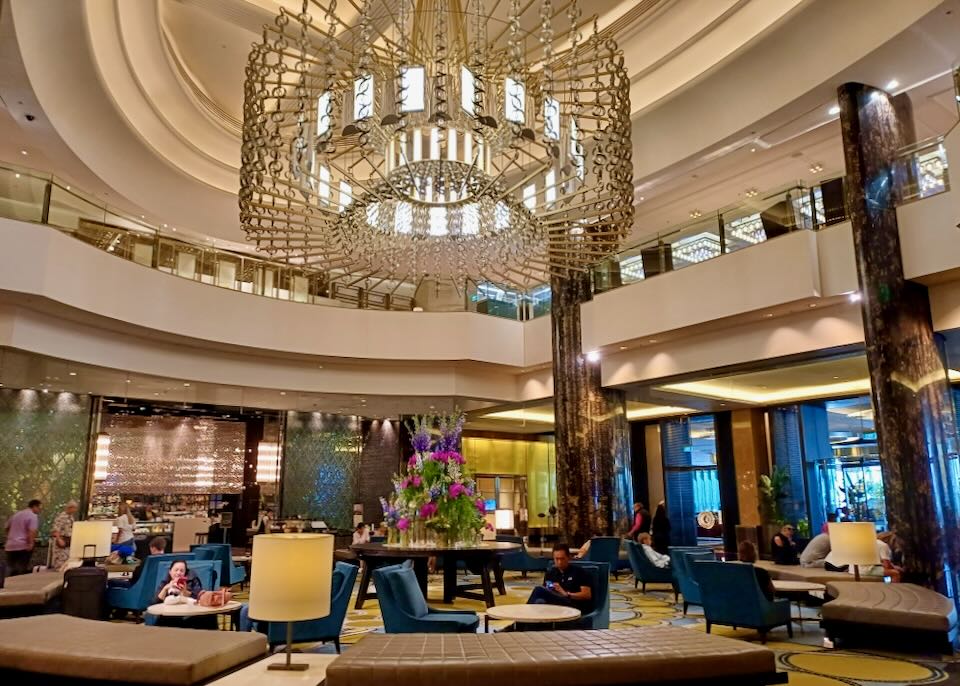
(921, 171)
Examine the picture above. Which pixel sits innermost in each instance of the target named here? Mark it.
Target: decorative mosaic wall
(175, 455)
(43, 448)
(321, 462)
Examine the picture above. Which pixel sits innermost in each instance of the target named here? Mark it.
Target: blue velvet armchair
(644, 571)
(229, 573)
(607, 549)
(326, 629)
(731, 596)
(142, 594)
(206, 571)
(521, 560)
(598, 616)
(405, 610)
(681, 559)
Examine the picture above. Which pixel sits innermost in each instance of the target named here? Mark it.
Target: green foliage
(773, 491)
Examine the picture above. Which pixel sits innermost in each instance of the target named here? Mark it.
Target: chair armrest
(435, 611)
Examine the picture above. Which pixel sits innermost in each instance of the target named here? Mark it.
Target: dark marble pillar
(594, 481)
(915, 423)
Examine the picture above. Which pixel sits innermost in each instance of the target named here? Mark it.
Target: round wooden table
(190, 610)
(531, 614)
(796, 591)
(482, 558)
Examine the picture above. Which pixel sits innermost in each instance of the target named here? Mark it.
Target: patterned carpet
(803, 656)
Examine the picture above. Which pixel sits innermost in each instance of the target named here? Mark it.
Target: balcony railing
(922, 171)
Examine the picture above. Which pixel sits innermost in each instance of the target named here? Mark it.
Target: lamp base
(288, 667)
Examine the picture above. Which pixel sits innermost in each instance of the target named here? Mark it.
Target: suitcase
(85, 592)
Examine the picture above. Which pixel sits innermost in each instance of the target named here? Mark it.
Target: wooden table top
(534, 614)
(191, 609)
(390, 550)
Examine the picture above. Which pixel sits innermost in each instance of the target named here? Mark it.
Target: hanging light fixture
(101, 465)
(268, 463)
(448, 139)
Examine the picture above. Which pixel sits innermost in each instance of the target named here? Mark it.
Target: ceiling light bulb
(893, 84)
(186, 385)
(73, 373)
(23, 152)
(855, 297)
(834, 111)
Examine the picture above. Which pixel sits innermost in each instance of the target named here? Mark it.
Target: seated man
(563, 584)
(157, 546)
(658, 560)
(783, 548)
(815, 554)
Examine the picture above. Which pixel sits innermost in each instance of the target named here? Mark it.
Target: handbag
(214, 598)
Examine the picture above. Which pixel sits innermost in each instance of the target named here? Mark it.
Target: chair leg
(790, 629)
(763, 637)
(685, 606)
(708, 626)
(644, 586)
(336, 644)
(635, 582)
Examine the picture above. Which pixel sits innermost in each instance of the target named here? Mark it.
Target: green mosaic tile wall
(321, 462)
(43, 447)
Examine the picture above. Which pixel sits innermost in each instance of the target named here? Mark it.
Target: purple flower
(403, 524)
(456, 490)
(428, 510)
(481, 506)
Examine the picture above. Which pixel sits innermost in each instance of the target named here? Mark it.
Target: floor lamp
(853, 543)
(290, 582)
(90, 540)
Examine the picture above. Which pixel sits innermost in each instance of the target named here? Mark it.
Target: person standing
(660, 528)
(124, 543)
(22, 537)
(641, 521)
(61, 532)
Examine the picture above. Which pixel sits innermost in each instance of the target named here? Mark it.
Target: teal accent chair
(405, 610)
(644, 571)
(206, 571)
(326, 629)
(521, 560)
(680, 560)
(142, 594)
(606, 549)
(732, 597)
(229, 573)
(598, 616)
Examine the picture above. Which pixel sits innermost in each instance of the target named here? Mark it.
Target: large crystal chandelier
(448, 139)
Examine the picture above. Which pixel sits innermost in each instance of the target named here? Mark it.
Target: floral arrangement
(436, 501)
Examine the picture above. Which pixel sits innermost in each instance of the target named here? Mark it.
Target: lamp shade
(504, 519)
(91, 533)
(853, 543)
(290, 577)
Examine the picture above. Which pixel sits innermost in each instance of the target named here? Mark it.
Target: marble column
(594, 481)
(914, 416)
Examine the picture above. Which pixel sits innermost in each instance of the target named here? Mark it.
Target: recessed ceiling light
(768, 315)
(73, 373)
(17, 175)
(46, 390)
(834, 111)
(319, 366)
(174, 228)
(24, 152)
(652, 340)
(593, 356)
(813, 304)
(892, 84)
(623, 347)
(753, 149)
(642, 198)
(156, 394)
(164, 226)
(283, 392)
(186, 385)
(128, 380)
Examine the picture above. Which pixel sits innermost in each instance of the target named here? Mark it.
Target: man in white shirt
(658, 559)
(361, 534)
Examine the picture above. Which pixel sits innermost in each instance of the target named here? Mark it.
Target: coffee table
(258, 675)
(531, 614)
(796, 591)
(165, 613)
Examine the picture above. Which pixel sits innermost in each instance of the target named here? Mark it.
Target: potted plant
(773, 491)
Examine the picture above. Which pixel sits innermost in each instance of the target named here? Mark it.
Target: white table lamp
(503, 519)
(853, 543)
(290, 581)
(90, 540)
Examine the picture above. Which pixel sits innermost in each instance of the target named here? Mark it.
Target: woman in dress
(61, 531)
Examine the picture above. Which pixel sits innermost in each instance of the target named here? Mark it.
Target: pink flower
(417, 481)
(405, 483)
(481, 506)
(403, 524)
(412, 462)
(488, 526)
(428, 510)
(456, 490)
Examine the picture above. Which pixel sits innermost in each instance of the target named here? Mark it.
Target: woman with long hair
(660, 529)
(179, 580)
(123, 543)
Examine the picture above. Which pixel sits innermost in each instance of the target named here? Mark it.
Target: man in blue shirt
(564, 583)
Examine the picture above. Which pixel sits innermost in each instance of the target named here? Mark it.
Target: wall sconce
(268, 463)
(101, 465)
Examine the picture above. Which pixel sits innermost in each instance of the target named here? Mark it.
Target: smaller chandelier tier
(421, 141)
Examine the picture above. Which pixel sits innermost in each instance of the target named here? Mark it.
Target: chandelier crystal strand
(429, 171)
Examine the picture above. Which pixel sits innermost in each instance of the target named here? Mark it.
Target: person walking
(22, 537)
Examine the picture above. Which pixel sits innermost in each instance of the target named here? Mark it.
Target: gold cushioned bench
(647, 655)
(30, 589)
(905, 611)
(59, 649)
